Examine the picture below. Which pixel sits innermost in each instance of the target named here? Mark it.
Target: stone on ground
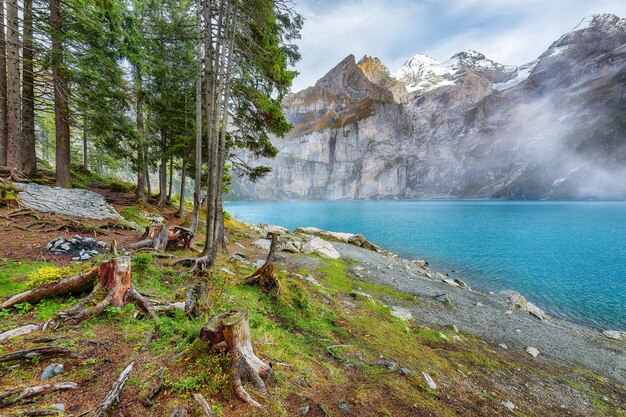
(320, 247)
(534, 352)
(401, 313)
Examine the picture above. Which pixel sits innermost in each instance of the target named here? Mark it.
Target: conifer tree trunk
(61, 93)
(85, 144)
(169, 190)
(14, 146)
(29, 156)
(183, 178)
(3, 89)
(163, 170)
(141, 156)
(197, 199)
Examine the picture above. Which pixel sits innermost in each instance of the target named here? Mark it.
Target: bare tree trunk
(61, 94)
(29, 156)
(14, 110)
(3, 89)
(212, 126)
(85, 144)
(183, 178)
(198, 174)
(218, 236)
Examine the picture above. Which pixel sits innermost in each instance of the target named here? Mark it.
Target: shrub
(141, 262)
(8, 195)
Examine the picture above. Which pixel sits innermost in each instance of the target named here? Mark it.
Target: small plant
(301, 300)
(45, 275)
(23, 308)
(141, 263)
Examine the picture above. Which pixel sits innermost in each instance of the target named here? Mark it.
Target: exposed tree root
(40, 353)
(14, 174)
(15, 395)
(199, 264)
(203, 404)
(232, 332)
(154, 391)
(265, 276)
(114, 394)
(112, 276)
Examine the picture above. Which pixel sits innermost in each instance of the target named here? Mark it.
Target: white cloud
(507, 31)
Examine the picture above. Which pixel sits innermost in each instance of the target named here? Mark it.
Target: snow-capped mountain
(467, 127)
(423, 73)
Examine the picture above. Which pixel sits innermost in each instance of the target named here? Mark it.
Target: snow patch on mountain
(523, 72)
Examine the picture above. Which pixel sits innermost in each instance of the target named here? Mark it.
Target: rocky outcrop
(464, 128)
(69, 202)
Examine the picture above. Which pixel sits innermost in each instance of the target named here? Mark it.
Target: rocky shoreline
(506, 319)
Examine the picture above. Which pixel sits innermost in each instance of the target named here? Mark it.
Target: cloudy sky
(507, 31)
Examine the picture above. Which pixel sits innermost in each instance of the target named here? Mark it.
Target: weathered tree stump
(231, 331)
(265, 276)
(158, 238)
(112, 277)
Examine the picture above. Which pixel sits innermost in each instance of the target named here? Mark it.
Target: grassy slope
(293, 331)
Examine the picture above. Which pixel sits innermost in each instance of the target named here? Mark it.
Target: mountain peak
(599, 20)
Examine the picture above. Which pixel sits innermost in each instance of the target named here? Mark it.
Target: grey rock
(443, 298)
(401, 313)
(385, 364)
(52, 370)
(614, 334)
(534, 352)
(304, 410)
(58, 406)
(344, 407)
(508, 404)
(403, 372)
(262, 244)
(70, 202)
(321, 248)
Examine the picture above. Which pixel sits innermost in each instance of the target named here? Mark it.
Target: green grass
(14, 276)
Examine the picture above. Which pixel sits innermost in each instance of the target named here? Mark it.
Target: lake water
(567, 257)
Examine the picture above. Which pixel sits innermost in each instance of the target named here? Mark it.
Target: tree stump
(113, 277)
(158, 238)
(265, 276)
(231, 331)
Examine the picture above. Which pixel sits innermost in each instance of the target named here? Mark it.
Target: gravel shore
(490, 316)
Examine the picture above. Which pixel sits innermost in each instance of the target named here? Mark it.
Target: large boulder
(325, 234)
(320, 247)
(519, 301)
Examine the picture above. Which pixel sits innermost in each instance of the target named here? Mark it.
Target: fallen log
(232, 332)
(15, 395)
(19, 331)
(265, 276)
(113, 395)
(113, 277)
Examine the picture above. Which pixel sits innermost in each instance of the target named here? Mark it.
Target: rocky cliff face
(464, 128)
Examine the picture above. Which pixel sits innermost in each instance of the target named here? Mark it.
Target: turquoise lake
(567, 257)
